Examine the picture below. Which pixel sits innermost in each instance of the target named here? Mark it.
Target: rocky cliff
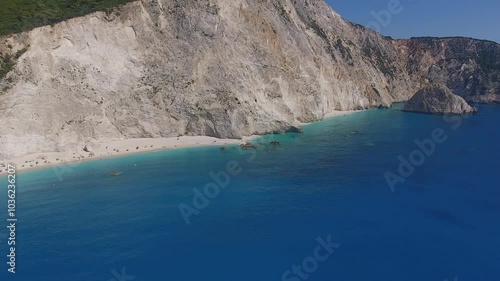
(223, 68)
(470, 68)
(438, 99)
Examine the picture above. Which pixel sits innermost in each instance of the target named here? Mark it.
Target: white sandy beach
(113, 149)
(341, 113)
(337, 113)
(124, 147)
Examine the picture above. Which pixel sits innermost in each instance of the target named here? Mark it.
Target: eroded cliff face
(470, 68)
(223, 68)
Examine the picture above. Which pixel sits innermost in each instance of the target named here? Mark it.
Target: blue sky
(411, 18)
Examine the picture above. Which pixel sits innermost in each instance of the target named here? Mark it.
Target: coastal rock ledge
(438, 99)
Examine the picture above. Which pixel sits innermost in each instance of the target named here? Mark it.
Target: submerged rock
(115, 174)
(438, 99)
(248, 146)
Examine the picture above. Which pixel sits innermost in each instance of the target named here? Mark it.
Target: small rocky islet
(438, 99)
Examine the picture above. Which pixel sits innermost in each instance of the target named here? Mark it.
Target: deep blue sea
(316, 207)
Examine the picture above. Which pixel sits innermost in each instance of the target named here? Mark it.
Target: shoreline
(336, 113)
(112, 149)
(118, 148)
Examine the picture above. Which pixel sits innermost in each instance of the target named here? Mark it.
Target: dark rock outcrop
(294, 129)
(438, 99)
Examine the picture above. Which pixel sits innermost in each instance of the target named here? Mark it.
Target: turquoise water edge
(316, 207)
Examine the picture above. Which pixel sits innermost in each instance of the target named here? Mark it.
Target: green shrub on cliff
(6, 65)
(20, 15)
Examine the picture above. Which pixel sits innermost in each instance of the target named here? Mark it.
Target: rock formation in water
(222, 68)
(438, 99)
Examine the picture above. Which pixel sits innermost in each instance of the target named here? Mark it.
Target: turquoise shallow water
(441, 223)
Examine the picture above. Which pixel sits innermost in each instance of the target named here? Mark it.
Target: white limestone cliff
(222, 68)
